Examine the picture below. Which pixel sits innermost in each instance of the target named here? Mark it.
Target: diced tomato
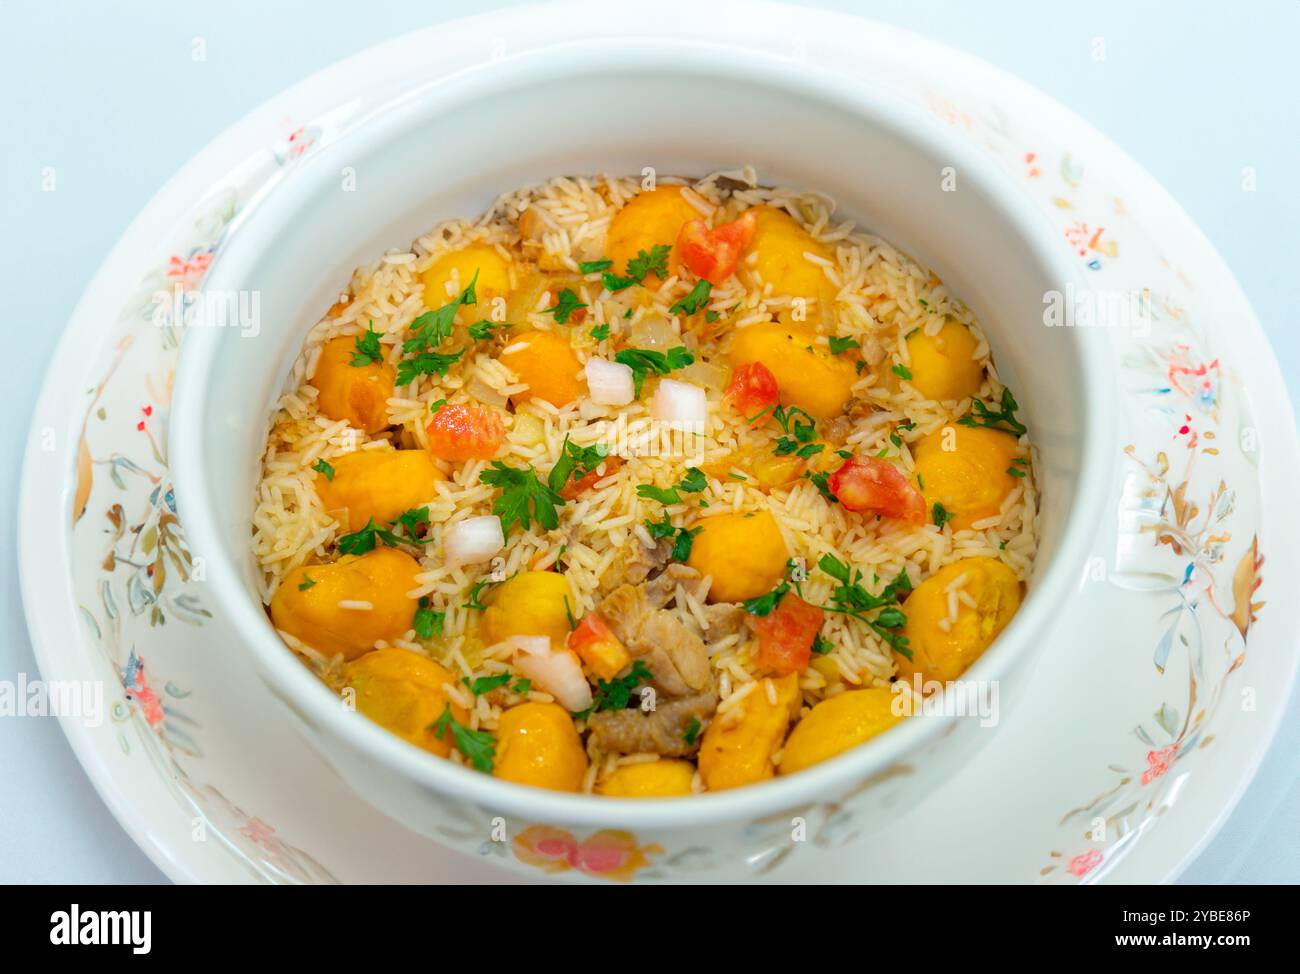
(870, 484)
(573, 488)
(712, 254)
(464, 432)
(752, 390)
(785, 635)
(598, 647)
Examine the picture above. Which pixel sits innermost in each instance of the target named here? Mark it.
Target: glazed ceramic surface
(1144, 717)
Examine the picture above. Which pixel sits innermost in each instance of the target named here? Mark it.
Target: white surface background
(107, 93)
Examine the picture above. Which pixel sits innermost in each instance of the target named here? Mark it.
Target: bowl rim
(301, 690)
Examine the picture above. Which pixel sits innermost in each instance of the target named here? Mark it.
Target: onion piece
(473, 540)
(680, 404)
(558, 672)
(610, 383)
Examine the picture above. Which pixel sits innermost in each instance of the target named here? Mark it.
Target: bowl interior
(451, 149)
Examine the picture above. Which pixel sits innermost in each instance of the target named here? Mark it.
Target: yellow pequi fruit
(781, 243)
(744, 553)
(528, 604)
(943, 647)
(357, 394)
(806, 373)
(378, 484)
(324, 605)
(837, 724)
(967, 470)
(664, 778)
(451, 273)
(738, 754)
(538, 745)
(943, 365)
(651, 219)
(547, 362)
(404, 693)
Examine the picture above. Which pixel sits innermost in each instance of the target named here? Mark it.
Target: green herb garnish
(903, 372)
(427, 623)
(694, 301)
(599, 333)
(852, 599)
(1003, 419)
(359, 542)
(307, 582)
(594, 266)
(643, 361)
(575, 462)
(323, 466)
(940, 515)
(765, 605)
(368, 349)
(523, 497)
(841, 345)
(692, 732)
(479, 747)
(565, 304)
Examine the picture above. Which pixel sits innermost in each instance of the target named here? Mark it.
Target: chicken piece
(638, 563)
(674, 655)
(672, 729)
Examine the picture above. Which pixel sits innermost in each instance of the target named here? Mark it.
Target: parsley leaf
(368, 349)
(656, 261)
(434, 327)
(841, 345)
(426, 363)
(486, 684)
(682, 546)
(523, 497)
(600, 332)
(851, 598)
(575, 461)
(308, 581)
(940, 515)
(660, 529)
(903, 372)
(359, 542)
(692, 732)
(593, 266)
(643, 361)
(427, 623)
(482, 330)
(473, 602)
(1003, 419)
(411, 521)
(479, 747)
(694, 301)
(324, 466)
(615, 694)
(821, 645)
(765, 605)
(565, 304)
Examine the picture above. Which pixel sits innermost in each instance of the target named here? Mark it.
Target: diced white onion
(558, 672)
(473, 540)
(680, 403)
(609, 383)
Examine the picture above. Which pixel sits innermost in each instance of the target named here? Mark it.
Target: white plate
(1153, 705)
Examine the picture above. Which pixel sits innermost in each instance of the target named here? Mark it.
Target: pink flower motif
(1084, 863)
(189, 271)
(1158, 762)
(299, 140)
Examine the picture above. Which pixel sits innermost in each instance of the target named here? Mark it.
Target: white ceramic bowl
(683, 108)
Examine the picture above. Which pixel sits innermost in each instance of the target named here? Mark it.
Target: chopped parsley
(568, 614)
(841, 345)
(411, 521)
(482, 330)
(486, 684)
(479, 747)
(599, 333)
(307, 582)
(654, 262)
(368, 349)
(436, 405)
(434, 327)
(765, 605)
(616, 693)
(565, 304)
(903, 372)
(575, 462)
(323, 466)
(711, 316)
(594, 266)
(643, 361)
(693, 483)
(940, 514)
(523, 497)
(660, 529)
(359, 542)
(427, 623)
(692, 303)
(473, 602)
(1000, 419)
(682, 546)
(692, 732)
(851, 598)
(426, 363)
(821, 645)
